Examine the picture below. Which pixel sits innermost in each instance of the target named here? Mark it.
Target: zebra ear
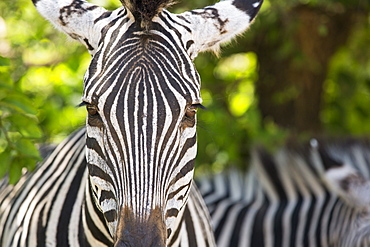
(219, 23)
(77, 18)
(347, 182)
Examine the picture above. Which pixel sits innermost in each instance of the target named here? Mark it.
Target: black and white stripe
(141, 92)
(54, 206)
(314, 195)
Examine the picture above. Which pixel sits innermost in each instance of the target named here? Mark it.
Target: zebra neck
(93, 222)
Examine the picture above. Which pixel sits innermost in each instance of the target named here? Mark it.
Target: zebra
(65, 170)
(141, 92)
(313, 194)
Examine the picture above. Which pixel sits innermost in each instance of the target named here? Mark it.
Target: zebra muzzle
(134, 231)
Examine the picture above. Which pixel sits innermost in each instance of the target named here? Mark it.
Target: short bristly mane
(145, 10)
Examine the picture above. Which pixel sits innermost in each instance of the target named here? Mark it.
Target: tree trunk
(294, 63)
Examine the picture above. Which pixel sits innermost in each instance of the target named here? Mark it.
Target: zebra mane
(145, 10)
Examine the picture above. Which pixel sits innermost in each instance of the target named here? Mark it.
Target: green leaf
(15, 171)
(29, 163)
(5, 160)
(3, 142)
(26, 147)
(26, 125)
(14, 136)
(20, 103)
(4, 61)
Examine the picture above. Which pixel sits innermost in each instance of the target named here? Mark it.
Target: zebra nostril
(135, 231)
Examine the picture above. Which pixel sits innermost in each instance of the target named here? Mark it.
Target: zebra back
(304, 195)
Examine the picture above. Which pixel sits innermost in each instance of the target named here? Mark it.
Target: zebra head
(142, 93)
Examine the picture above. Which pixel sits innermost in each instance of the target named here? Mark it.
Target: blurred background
(301, 70)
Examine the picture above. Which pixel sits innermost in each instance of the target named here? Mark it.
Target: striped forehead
(137, 64)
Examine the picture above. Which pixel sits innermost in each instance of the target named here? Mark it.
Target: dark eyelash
(83, 103)
(200, 106)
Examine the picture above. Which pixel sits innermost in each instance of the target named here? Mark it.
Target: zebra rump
(317, 194)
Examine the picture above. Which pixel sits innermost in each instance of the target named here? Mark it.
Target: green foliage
(40, 85)
(232, 123)
(19, 127)
(348, 87)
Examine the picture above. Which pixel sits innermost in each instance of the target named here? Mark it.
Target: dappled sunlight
(237, 66)
(242, 99)
(240, 71)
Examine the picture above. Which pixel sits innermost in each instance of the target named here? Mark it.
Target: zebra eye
(189, 118)
(94, 118)
(92, 109)
(191, 111)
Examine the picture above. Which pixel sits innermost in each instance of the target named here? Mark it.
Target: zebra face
(141, 93)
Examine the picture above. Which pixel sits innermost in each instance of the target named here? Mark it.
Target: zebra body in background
(315, 195)
(141, 92)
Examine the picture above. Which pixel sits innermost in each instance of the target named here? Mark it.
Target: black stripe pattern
(138, 140)
(55, 204)
(141, 92)
(314, 195)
